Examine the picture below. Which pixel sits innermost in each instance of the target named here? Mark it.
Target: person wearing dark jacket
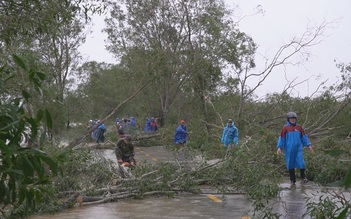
(125, 150)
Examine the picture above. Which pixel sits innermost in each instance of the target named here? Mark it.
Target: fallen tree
(80, 139)
(111, 145)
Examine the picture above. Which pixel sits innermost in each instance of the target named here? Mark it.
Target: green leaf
(343, 215)
(21, 195)
(40, 114)
(34, 128)
(26, 95)
(19, 62)
(27, 167)
(347, 181)
(9, 78)
(41, 75)
(49, 161)
(48, 119)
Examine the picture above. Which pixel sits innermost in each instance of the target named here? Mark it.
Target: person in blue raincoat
(292, 139)
(147, 125)
(230, 136)
(93, 133)
(100, 133)
(132, 122)
(181, 134)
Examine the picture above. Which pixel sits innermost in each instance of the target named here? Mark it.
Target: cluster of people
(151, 125)
(126, 124)
(124, 150)
(292, 140)
(98, 135)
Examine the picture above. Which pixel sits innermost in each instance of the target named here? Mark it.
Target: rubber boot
(292, 176)
(303, 175)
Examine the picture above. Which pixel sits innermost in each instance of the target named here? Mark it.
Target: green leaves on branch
(25, 170)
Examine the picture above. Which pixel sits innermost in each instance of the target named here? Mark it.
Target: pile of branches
(132, 182)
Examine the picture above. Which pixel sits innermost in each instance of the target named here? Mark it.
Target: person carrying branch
(292, 139)
(125, 150)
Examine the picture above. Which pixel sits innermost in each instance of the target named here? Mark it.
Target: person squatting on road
(230, 136)
(181, 134)
(125, 150)
(292, 139)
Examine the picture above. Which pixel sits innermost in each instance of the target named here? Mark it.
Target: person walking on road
(100, 133)
(153, 125)
(93, 133)
(147, 125)
(124, 151)
(181, 134)
(230, 136)
(292, 139)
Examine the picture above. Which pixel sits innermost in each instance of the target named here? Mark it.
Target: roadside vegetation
(192, 64)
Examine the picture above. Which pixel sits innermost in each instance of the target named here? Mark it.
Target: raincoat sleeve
(281, 139)
(102, 127)
(305, 141)
(225, 130)
(181, 130)
(236, 136)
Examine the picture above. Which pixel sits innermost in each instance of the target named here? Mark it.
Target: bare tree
(298, 46)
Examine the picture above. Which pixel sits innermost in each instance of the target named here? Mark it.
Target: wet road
(185, 206)
(290, 205)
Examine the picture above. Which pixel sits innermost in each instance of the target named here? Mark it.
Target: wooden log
(141, 137)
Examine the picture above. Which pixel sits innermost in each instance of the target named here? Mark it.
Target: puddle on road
(183, 206)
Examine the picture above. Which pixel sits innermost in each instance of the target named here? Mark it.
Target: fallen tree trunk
(111, 145)
(79, 140)
(138, 138)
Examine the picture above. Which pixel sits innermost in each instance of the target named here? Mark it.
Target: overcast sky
(277, 25)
